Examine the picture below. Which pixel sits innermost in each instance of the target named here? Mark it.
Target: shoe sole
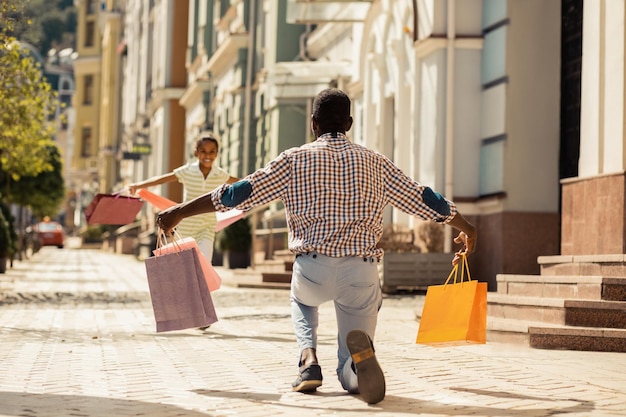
(308, 386)
(369, 375)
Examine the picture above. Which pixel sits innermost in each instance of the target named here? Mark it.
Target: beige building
(86, 102)
(593, 203)
(477, 99)
(110, 32)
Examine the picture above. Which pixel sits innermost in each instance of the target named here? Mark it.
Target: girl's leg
(206, 247)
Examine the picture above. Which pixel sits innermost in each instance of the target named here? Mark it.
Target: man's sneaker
(309, 379)
(370, 377)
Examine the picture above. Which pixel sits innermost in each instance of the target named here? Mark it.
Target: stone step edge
(505, 299)
(496, 324)
(568, 259)
(563, 330)
(499, 324)
(551, 279)
(596, 304)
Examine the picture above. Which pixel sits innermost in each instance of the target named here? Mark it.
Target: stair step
(550, 286)
(283, 255)
(591, 313)
(612, 265)
(502, 330)
(284, 277)
(578, 338)
(614, 289)
(545, 310)
(270, 266)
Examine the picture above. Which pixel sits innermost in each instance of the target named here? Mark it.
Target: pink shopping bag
(223, 219)
(213, 280)
(180, 297)
(112, 209)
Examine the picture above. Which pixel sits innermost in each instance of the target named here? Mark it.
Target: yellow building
(110, 22)
(86, 101)
(94, 165)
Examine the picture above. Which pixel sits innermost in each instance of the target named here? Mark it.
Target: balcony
(226, 54)
(305, 79)
(319, 11)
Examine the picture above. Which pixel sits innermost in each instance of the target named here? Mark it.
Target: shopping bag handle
(162, 239)
(455, 271)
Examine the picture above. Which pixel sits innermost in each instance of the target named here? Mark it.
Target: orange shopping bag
(213, 280)
(156, 200)
(454, 313)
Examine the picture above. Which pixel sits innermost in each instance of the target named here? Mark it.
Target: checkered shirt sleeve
(335, 193)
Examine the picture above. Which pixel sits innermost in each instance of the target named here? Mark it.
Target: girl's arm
(232, 180)
(160, 179)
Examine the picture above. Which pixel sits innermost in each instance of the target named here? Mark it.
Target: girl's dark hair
(331, 110)
(207, 136)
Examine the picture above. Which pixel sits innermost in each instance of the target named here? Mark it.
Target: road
(77, 338)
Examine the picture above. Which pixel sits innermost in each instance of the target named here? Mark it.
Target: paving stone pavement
(77, 338)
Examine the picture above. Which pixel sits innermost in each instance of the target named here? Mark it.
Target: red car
(50, 234)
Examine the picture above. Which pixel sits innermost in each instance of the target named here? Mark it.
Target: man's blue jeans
(353, 284)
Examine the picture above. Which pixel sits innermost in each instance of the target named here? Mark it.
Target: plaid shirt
(334, 193)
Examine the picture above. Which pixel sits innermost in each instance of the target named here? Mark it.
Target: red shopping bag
(213, 280)
(180, 297)
(456, 313)
(223, 219)
(112, 209)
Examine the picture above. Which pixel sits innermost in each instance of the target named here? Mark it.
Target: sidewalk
(77, 338)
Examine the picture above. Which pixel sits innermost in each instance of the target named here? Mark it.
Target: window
(88, 90)
(91, 6)
(90, 34)
(491, 173)
(86, 142)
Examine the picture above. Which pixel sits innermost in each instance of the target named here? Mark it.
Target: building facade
(467, 96)
(86, 103)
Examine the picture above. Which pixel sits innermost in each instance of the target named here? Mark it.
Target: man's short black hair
(331, 110)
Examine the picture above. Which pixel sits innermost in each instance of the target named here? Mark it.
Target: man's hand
(467, 236)
(168, 219)
(469, 243)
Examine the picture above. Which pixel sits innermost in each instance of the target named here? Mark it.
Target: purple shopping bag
(180, 296)
(112, 209)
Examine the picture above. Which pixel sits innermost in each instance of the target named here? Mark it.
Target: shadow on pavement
(398, 404)
(53, 405)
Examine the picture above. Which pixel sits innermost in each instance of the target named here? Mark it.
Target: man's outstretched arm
(468, 236)
(228, 195)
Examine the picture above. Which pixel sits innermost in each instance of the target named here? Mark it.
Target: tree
(27, 102)
(42, 23)
(42, 193)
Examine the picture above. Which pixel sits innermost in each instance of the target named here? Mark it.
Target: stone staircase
(278, 269)
(576, 303)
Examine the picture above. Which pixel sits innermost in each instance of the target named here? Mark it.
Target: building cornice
(159, 96)
(193, 93)
(88, 65)
(427, 46)
(225, 54)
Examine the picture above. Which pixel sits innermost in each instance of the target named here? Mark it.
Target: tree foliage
(43, 192)
(30, 162)
(28, 103)
(42, 23)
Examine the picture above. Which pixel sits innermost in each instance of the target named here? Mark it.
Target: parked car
(50, 234)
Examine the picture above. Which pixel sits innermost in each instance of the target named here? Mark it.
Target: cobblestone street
(77, 338)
